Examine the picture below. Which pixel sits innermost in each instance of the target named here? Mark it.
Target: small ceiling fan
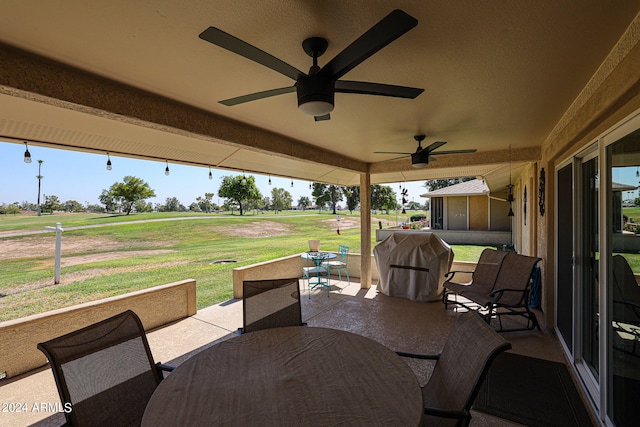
(316, 89)
(421, 157)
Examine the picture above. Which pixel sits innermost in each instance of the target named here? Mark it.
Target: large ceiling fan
(316, 89)
(421, 157)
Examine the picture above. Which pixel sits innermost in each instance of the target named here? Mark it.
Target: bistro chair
(270, 303)
(339, 265)
(104, 372)
(459, 371)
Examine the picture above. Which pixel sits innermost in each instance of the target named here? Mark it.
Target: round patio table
(289, 376)
(318, 258)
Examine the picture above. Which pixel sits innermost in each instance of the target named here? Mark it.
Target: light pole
(39, 181)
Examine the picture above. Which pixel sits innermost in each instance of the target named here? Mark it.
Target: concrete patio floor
(398, 323)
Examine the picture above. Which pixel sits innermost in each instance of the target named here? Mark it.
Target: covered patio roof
(134, 79)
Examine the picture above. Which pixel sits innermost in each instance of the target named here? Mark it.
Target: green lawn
(184, 248)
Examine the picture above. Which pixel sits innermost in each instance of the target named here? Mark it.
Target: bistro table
(318, 258)
(289, 376)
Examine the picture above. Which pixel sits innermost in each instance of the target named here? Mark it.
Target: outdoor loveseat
(500, 285)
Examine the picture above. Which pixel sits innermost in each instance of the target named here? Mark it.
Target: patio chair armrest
(444, 413)
(161, 367)
(495, 292)
(165, 367)
(450, 274)
(418, 356)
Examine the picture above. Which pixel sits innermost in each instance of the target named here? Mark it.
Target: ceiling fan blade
(435, 153)
(366, 88)
(396, 158)
(391, 152)
(239, 47)
(258, 95)
(384, 32)
(322, 118)
(434, 146)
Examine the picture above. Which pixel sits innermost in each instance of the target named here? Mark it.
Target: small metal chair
(339, 265)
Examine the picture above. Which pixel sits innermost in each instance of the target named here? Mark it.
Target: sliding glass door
(623, 274)
(598, 269)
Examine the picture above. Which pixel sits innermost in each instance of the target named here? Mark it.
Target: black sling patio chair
(104, 372)
(460, 369)
(483, 276)
(270, 303)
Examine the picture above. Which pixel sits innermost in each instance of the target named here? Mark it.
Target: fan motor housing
(420, 159)
(315, 89)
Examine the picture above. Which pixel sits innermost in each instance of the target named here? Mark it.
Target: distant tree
(52, 203)
(172, 204)
(414, 206)
(229, 205)
(142, 206)
(320, 194)
(73, 206)
(27, 206)
(637, 201)
(436, 184)
(205, 203)
(254, 204)
(304, 202)
(194, 207)
(129, 192)
(352, 194)
(335, 195)
(95, 209)
(10, 209)
(382, 197)
(280, 199)
(239, 189)
(266, 203)
(108, 200)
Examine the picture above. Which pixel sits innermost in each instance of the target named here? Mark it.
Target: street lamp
(39, 181)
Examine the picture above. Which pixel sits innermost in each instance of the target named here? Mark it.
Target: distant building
(469, 205)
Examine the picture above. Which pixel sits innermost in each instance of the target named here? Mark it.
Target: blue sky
(72, 175)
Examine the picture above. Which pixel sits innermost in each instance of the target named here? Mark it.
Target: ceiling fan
(421, 157)
(316, 89)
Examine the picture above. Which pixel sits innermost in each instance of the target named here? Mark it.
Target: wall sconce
(166, 170)
(27, 154)
(108, 162)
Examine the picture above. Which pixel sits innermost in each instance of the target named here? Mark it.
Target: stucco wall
(612, 94)
(155, 306)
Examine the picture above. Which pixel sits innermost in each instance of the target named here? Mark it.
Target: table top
(322, 256)
(289, 376)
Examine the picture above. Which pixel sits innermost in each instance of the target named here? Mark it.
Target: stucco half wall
(155, 306)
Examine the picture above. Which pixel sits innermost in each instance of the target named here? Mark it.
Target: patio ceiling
(496, 75)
